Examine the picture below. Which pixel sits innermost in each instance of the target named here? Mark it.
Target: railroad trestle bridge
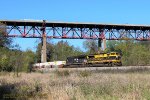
(65, 30)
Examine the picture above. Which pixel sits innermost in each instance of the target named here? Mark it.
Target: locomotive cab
(115, 58)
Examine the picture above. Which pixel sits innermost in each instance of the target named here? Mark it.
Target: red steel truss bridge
(60, 30)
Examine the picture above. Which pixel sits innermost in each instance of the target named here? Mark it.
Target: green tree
(4, 60)
(4, 41)
(139, 55)
(111, 45)
(29, 59)
(62, 50)
(49, 51)
(133, 52)
(91, 46)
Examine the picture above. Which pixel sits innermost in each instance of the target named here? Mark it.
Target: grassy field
(75, 85)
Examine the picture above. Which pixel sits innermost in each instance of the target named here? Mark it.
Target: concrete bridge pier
(43, 48)
(101, 41)
(104, 44)
(101, 45)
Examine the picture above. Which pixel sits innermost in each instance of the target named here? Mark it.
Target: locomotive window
(112, 53)
(104, 58)
(119, 58)
(91, 56)
(112, 57)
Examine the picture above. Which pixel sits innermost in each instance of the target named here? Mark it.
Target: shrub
(20, 91)
(104, 91)
(145, 93)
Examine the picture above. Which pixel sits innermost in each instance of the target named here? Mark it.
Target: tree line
(134, 53)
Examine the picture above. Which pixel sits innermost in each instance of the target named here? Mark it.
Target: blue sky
(95, 11)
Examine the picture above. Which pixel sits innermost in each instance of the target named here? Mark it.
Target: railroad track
(111, 68)
(107, 69)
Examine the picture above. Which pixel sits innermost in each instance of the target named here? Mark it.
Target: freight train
(94, 60)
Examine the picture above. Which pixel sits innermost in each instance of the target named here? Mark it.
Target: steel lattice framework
(60, 30)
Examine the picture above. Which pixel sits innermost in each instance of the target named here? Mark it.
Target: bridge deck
(75, 24)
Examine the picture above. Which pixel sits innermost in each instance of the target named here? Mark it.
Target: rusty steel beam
(60, 30)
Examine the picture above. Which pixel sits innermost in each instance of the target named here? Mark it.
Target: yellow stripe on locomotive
(97, 58)
(112, 58)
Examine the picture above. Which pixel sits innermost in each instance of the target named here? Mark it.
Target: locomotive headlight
(76, 60)
(85, 60)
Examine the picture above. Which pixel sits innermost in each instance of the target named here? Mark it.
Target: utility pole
(43, 49)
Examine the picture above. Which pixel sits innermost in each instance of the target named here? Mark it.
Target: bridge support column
(99, 45)
(101, 41)
(104, 44)
(43, 49)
